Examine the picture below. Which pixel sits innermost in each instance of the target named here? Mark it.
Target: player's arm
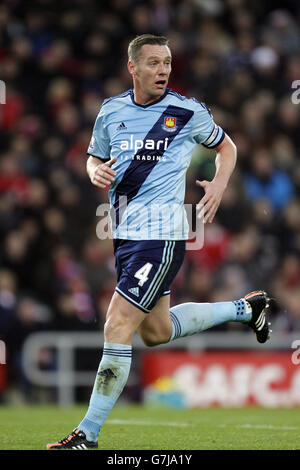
(100, 173)
(225, 163)
(99, 163)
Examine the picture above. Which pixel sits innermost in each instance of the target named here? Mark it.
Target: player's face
(151, 73)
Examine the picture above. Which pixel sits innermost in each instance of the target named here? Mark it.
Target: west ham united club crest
(169, 124)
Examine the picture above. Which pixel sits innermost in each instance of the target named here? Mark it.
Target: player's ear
(132, 68)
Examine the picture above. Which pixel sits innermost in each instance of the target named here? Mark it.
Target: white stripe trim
(212, 136)
(217, 140)
(131, 300)
(160, 271)
(163, 274)
(144, 298)
(260, 321)
(170, 255)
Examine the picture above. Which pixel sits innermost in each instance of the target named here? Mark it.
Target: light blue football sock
(190, 318)
(111, 378)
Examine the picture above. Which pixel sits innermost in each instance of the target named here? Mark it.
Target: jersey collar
(150, 104)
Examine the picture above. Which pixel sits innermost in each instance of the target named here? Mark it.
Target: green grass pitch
(143, 428)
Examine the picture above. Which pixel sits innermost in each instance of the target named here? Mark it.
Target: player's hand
(210, 202)
(103, 175)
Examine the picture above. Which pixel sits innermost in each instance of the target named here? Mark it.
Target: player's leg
(122, 320)
(157, 327)
(164, 324)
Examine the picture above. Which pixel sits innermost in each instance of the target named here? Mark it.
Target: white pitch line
(183, 425)
(146, 423)
(260, 426)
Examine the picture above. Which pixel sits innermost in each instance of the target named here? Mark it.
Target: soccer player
(141, 148)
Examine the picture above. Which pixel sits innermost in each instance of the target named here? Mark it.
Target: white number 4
(142, 273)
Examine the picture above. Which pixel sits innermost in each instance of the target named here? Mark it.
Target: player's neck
(143, 99)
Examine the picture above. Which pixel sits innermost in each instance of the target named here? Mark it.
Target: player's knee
(117, 329)
(152, 339)
(114, 323)
(148, 341)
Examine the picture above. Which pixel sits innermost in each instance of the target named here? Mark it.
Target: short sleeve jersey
(153, 145)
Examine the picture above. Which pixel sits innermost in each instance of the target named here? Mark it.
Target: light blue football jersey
(153, 145)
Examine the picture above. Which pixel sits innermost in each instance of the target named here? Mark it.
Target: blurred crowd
(59, 60)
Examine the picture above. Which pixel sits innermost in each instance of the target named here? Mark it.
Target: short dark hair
(136, 44)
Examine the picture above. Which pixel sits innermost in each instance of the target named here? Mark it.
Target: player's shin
(190, 318)
(111, 378)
